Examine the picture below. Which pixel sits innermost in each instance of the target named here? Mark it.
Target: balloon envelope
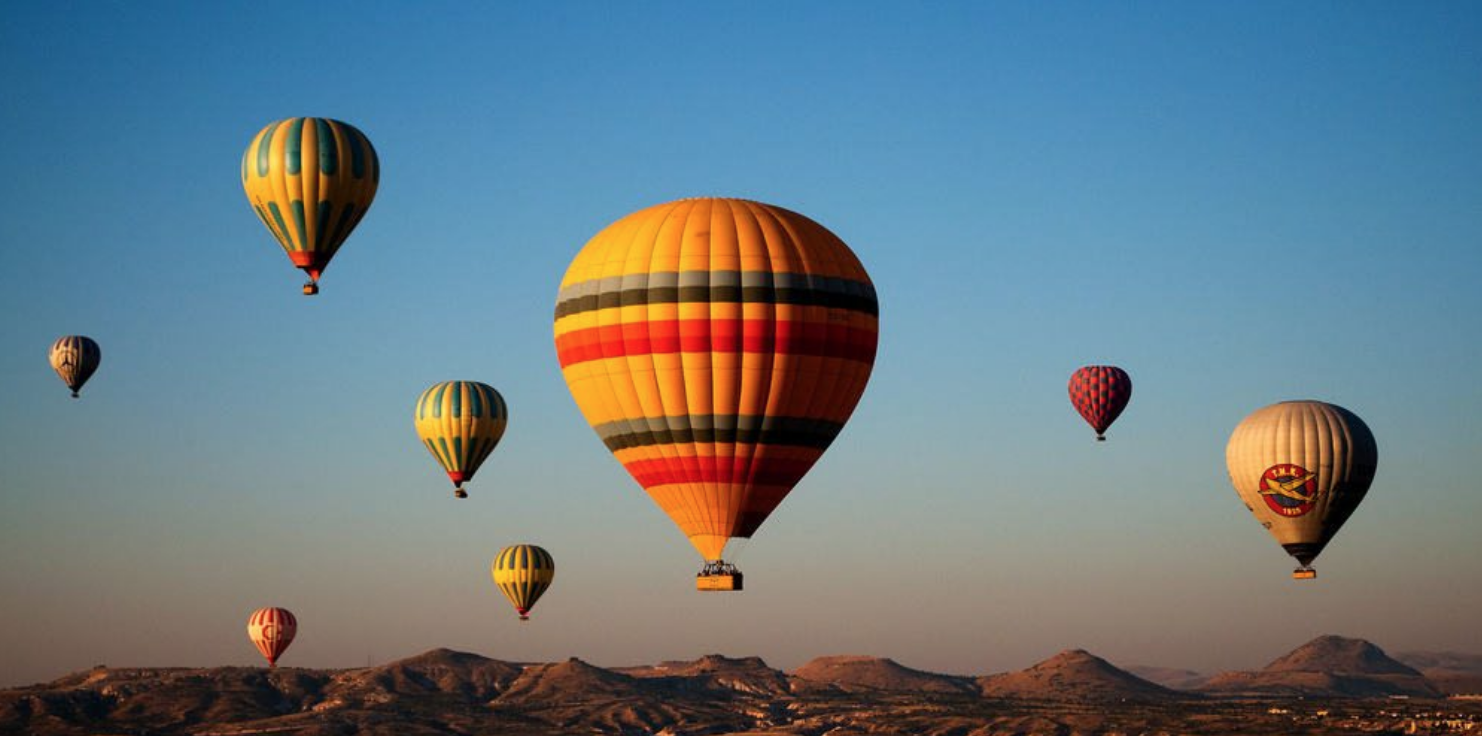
(1302, 467)
(460, 423)
(271, 630)
(717, 347)
(1100, 393)
(310, 181)
(523, 573)
(75, 358)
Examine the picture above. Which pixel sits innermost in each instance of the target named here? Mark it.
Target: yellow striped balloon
(717, 347)
(460, 423)
(75, 358)
(1302, 467)
(310, 180)
(523, 573)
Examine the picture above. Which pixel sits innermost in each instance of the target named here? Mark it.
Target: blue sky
(1238, 204)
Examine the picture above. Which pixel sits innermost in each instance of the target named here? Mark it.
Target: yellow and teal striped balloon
(310, 180)
(461, 422)
(523, 572)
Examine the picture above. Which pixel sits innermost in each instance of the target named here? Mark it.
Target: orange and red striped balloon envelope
(717, 346)
(271, 631)
(1100, 393)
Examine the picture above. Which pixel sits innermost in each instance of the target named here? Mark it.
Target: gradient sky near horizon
(1238, 203)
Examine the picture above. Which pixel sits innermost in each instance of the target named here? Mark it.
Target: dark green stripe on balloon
(322, 221)
(283, 237)
(298, 218)
(265, 147)
(475, 400)
(357, 155)
(329, 151)
(342, 228)
(293, 153)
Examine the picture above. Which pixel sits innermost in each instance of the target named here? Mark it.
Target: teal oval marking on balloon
(322, 222)
(475, 400)
(357, 156)
(293, 152)
(303, 232)
(265, 147)
(329, 150)
(283, 237)
(267, 221)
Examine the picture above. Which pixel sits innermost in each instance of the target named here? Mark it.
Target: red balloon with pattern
(1100, 393)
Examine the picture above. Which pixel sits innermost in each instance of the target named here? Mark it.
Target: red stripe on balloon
(818, 339)
(712, 469)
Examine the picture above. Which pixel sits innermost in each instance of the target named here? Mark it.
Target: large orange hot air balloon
(271, 630)
(1302, 467)
(1100, 393)
(717, 346)
(310, 180)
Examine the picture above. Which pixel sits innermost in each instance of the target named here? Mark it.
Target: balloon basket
(718, 575)
(460, 493)
(311, 288)
(718, 582)
(1304, 573)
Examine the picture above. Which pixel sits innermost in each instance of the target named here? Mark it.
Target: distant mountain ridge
(444, 691)
(1454, 673)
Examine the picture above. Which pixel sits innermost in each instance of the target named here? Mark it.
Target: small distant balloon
(1100, 393)
(75, 358)
(1302, 467)
(523, 573)
(460, 423)
(271, 630)
(310, 181)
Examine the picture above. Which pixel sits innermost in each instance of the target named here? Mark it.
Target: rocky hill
(1074, 675)
(716, 672)
(875, 673)
(1327, 667)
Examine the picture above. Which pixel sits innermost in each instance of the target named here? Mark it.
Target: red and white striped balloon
(271, 630)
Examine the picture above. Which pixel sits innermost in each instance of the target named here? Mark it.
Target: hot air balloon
(310, 180)
(460, 422)
(1100, 393)
(1302, 467)
(272, 630)
(523, 572)
(75, 358)
(717, 347)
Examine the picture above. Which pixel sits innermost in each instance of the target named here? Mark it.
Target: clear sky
(1238, 203)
